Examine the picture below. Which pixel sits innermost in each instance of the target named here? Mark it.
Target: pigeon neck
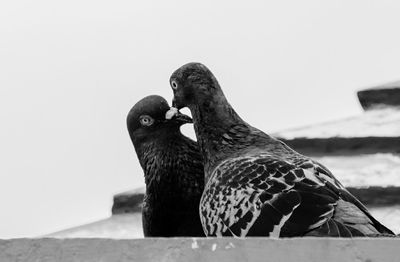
(155, 145)
(217, 126)
(156, 151)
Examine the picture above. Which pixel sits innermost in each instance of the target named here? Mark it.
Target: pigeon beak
(174, 102)
(182, 118)
(171, 113)
(174, 115)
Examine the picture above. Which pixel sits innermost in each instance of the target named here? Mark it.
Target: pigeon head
(193, 83)
(146, 120)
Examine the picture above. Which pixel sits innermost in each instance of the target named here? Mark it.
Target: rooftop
(377, 130)
(383, 122)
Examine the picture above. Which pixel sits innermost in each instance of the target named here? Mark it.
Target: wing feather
(264, 196)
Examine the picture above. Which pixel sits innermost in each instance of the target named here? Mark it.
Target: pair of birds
(236, 180)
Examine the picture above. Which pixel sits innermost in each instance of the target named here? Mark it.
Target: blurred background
(70, 72)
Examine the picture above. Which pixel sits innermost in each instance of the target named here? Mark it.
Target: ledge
(344, 145)
(377, 196)
(128, 202)
(388, 95)
(188, 249)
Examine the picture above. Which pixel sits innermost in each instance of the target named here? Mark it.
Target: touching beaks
(182, 118)
(175, 115)
(171, 113)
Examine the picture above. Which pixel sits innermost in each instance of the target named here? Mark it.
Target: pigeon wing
(264, 196)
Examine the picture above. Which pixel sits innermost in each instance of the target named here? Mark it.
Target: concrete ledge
(188, 249)
(377, 196)
(379, 97)
(128, 202)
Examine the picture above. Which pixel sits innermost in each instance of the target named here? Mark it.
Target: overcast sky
(71, 70)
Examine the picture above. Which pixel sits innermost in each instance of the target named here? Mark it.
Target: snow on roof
(139, 190)
(383, 122)
(364, 170)
(117, 226)
(389, 216)
(395, 84)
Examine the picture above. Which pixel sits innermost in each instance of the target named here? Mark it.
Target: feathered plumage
(255, 184)
(172, 167)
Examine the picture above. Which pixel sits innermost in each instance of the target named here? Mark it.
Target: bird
(173, 170)
(255, 184)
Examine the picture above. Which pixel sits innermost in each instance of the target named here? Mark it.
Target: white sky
(70, 71)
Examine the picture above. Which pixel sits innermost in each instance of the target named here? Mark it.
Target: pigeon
(256, 185)
(173, 170)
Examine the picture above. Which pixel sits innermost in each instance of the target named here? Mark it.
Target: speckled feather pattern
(300, 199)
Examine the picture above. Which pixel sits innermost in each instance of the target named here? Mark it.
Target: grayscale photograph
(200, 131)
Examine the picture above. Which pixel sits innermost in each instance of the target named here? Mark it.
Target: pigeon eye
(174, 85)
(146, 120)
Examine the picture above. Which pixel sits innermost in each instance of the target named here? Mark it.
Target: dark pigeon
(255, 184)
(173, 170)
